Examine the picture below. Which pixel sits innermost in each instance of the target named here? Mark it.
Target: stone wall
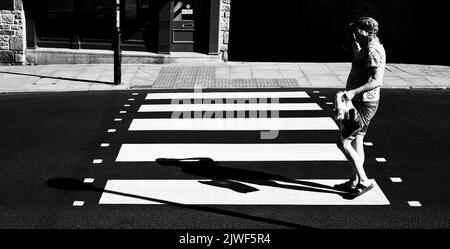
(12, 34)
(224, 29)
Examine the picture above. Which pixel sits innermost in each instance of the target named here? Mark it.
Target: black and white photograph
(223, 123)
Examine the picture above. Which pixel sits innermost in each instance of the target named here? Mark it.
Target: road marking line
(322, 97)
(414, 204)
(368, 144)
(316, 91)
(226, 95)
(135, 94)
(112, 130)
(78, 203)
(213, 192)
(123, 111)
(264, 124)
(104, 145)
(396, 179)
(131, 99)
(117, 119)
(380, 159)
(126, 105)
(329, 103)
(88, 180)
(97, 161)
(231, 152)
(230, 107)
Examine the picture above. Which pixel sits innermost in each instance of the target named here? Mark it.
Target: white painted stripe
(112, 130)
(322, 97)
(264, 124)
(135, 94)
(126, 105)
(396, 179)
(230, 107)
(97, 161)
(226, 95)
(380, 159)
(231, 152)
(131, 99)
(123, 111)
(196, 193)
(329, 103)
(104, 145)
(414, 203)
(117, 119)
(316, 91)
(368, 144)
(88, 180)
(78, 203)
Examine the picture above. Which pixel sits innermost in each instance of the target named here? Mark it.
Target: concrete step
(46, 56)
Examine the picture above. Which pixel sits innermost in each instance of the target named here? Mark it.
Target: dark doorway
(189, 28)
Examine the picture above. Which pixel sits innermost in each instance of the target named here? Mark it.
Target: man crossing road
(363, 89)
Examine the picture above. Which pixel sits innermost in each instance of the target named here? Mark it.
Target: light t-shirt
(373, 55)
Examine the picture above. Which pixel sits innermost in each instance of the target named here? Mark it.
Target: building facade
(81, 31)
(12, 32)
(39, 31)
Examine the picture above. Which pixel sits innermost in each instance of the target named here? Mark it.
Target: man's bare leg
(355, 159)
(354, 179)
(354, 149)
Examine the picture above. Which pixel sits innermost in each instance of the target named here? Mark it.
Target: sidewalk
(90, 77)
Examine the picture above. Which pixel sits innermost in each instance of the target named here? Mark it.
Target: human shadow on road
(233, 178)
(70, 184)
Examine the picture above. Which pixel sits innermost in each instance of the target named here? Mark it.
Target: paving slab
(210, 75)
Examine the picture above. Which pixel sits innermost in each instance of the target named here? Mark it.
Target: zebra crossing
(223, 192)
(234, 124)
(231, 152)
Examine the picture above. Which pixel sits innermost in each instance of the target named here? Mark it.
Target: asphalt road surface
(65, 164)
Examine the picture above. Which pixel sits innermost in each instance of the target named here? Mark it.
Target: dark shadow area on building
(7, 5)
(69, 184)
(314, 31)
(86, 24)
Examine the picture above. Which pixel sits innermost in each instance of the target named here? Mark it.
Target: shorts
(366, 111)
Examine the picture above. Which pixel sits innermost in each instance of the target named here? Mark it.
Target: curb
(436, 88)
